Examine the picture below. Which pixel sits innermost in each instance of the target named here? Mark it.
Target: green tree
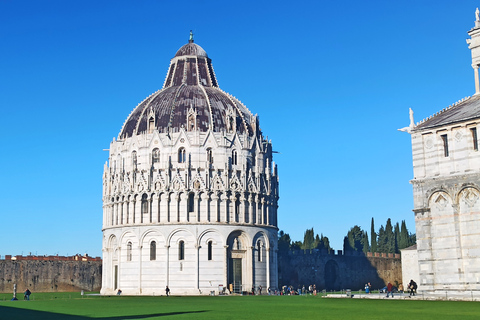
(284, 242)
(382, 240)
(296, 245)
(308, 239)
(397, 237)
(365, 244)
(355, 236)
(373, 237)
(346, 245)
(390, 237)
(324, 243)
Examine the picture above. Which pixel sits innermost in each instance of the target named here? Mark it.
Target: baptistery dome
(190, 86)
(190, 191)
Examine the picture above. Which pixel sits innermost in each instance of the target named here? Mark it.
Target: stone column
(268, 266)
(155, 213)
(243, 209)
(140, 269)
(122, 211)
(119, 259)
(225, 207)
(196, 206)
(267, 212)
(251, 212)
(225, 269)
(249, 264)
(167, 266)
(177, 207)
(206, 204)
(197, 267)
(264, 213)
(214, 206)
(477, 81)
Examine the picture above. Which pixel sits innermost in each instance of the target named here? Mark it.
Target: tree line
(388, 239)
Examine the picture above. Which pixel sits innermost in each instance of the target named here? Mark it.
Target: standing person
(167, 291)
(253, 291)
(260, 290)
(389, 289)
(412, 287)
(367, 288)
(27, 294)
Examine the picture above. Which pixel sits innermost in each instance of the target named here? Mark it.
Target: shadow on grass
(12, 313)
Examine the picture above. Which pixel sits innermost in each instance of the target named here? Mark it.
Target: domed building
(190, 191)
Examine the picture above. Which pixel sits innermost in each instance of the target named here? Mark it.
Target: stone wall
(337, 271)
(50, 276)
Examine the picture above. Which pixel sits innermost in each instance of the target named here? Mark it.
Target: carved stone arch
(440, 204)
(127, 234)
(238, 233)
(469, 194)
(159, 235)
(112, 241)
(169, 237)
(264, 235)
(331, 273)
(203, 237)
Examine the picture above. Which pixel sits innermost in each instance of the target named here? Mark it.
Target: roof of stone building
(463, 110)
(412, 247)
(190, 92)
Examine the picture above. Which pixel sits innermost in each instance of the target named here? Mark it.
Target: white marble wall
(447, 208)
(196, 201)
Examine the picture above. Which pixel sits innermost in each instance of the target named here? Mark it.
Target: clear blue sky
(332, 82)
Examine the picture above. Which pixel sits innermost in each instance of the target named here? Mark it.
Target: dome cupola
(190, 88)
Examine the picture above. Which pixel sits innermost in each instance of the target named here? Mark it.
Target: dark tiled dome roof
(190, 92)
(191, 49)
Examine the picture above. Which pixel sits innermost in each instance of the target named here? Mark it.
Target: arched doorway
(330, 274)
(237, 244)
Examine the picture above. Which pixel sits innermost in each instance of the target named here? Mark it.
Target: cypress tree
(382, 240)
(390, 237)
(373, 237)
(365, 244)
(308, 239)
(397, 237)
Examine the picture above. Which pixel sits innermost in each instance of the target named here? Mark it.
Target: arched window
(237, 209)
(191, 202)
(259, 249)
(181, 155)
(156, 155)
(234, 157)
(144, 203)
(153, 251)
(209, 156)
(181, 250)
(134, 160)
(210, 245)
(129, 251)
(151, 125)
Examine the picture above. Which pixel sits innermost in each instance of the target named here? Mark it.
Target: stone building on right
(446, 189)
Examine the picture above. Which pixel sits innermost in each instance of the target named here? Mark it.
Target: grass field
(70, 306)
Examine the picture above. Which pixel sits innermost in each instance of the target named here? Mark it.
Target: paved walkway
(455, 296)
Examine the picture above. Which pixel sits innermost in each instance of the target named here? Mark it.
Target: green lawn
(70, 306)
